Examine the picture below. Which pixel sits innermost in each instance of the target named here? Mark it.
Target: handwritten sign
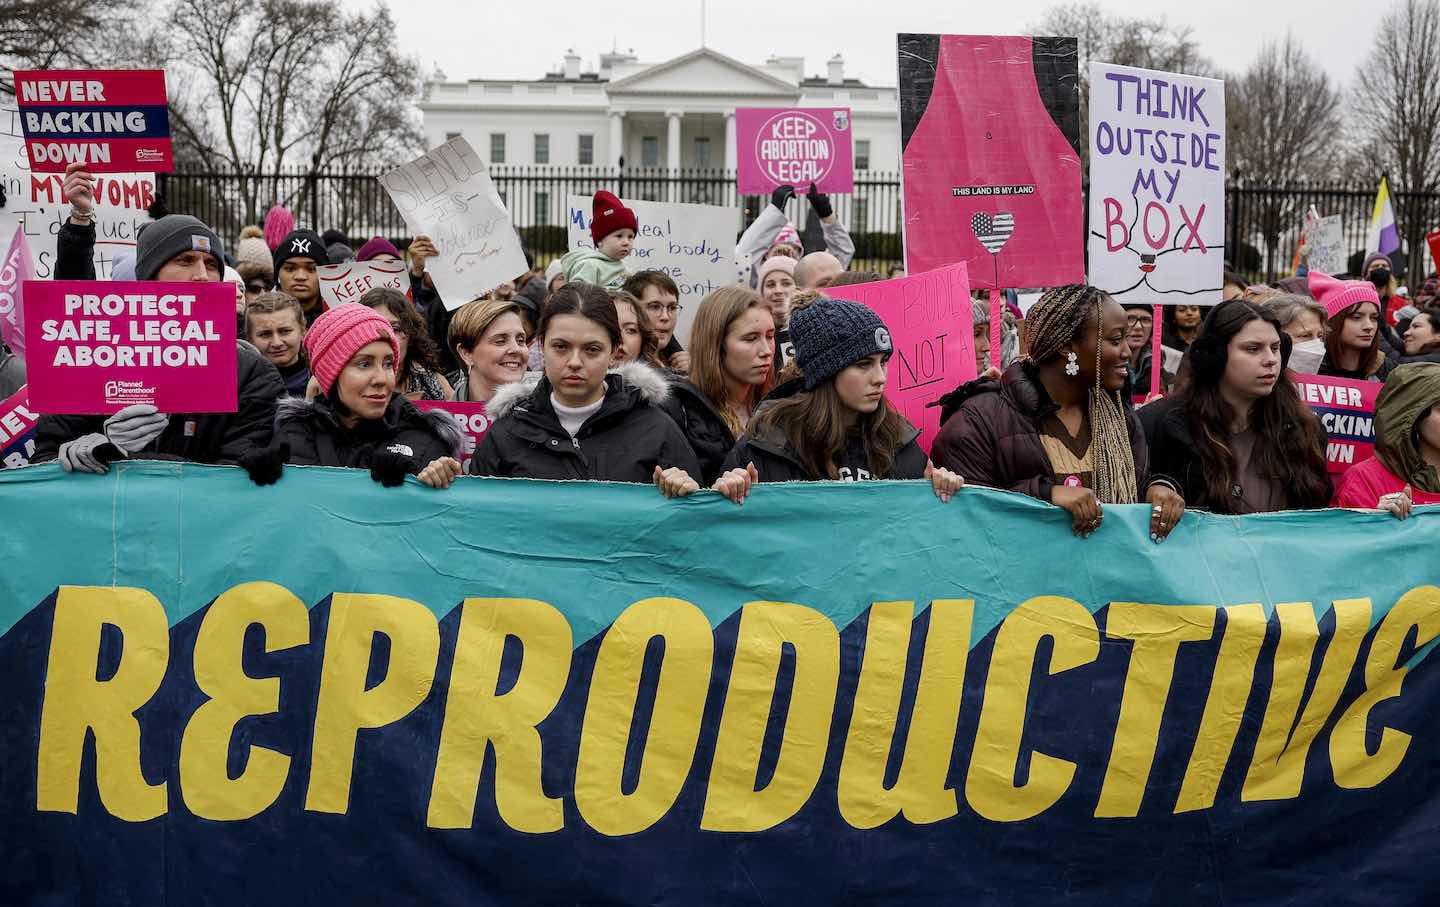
(17, 430)
(1326, 238)
(35, 203)
(347, 282)
(694, 244)
(794, 146)
(469, 417)
(110, 120)
(990, 157)
(1347, 410)
(932, 327)
(1157, 185)
(100, 347)
(448, 195)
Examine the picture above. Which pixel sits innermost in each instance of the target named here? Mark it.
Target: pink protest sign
(99, 346)
(794, 146)
(1347, 410)
(111, 120)
(932, 329)
(990, 158)
(17, 430)
(470, 418)
(349, 281)
(16, 268)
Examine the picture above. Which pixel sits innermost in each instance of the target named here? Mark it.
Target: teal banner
(527, 692)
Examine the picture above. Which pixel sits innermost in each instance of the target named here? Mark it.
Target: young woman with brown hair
(417, 375)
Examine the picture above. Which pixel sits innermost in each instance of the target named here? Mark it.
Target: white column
(672, 153)
(617, 137)
(732, 162)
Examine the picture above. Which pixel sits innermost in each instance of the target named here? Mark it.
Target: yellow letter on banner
(1157, 632)
(1224, 707)
(1350, 760)
(345, 705)
(204, 751)
(675, 718)
(920, 788)
(76, 702)
(732, 803)
(990, 785)
(1278, 766)
(475, 715)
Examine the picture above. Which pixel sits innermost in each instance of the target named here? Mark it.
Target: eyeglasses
(1137, 320)
(657, 308)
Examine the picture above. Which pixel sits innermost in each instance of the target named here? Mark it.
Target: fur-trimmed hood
(647, 380)
(399, 414)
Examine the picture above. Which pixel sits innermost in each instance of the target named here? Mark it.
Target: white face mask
(1305, 358)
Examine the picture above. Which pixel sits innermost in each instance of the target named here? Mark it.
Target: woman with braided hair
(1053, 425)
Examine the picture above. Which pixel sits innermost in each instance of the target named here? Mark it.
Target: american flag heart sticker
(993, 230)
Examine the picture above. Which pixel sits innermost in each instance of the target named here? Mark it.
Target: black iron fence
(1262, 222)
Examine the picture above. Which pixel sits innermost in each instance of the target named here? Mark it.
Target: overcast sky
(521, 40)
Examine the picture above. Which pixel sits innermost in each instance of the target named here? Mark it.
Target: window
(860, 215)
(451, 135)
(862, 154)
(542, 148)
(702, 153)
(497, 147)
(587, 149)
(649, 151)
(542, 208)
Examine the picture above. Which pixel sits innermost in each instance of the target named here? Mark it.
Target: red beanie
(339, 334)
(609, 215)
(1338, 295)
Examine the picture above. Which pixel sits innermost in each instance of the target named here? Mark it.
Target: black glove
(781, 195)
(390, 468)
(821, 203)
(265, 464)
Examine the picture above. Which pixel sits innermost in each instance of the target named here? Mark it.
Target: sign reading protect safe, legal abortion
(793, 146)
(110, 120)
(96, 347)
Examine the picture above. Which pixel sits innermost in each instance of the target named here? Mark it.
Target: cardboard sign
(694, 244)
(447, 194)
(1157, 185)
(17, 430)
(347, 282)
(990, 139)
(469, 417)
(1347, 410)
(99, 347)
(794, 146)
(110, 120)
(1325, 237)
(35, 203)
(932, 330)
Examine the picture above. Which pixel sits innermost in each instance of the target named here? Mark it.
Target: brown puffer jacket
(991, 434)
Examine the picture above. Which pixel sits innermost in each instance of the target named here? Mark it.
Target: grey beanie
(832, 334)
(172, 235)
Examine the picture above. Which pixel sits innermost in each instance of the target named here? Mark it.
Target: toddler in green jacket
(612, 227)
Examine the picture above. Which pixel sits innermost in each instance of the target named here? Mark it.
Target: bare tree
(43, 34)
(1396, 104)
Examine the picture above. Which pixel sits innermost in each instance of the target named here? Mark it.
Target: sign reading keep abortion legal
(110, 120)
(794, 146)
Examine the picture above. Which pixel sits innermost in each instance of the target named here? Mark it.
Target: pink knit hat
(341, 333)
(775, 263)
(1338, 295)
(787, 234)
(278, 224)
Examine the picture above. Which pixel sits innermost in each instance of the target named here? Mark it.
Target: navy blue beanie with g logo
(832, 334)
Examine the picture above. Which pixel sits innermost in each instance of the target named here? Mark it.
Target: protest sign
(447, 194)
(17, 430)
(794, 146)
(35, 203)
(932, 329)
(990, 154)
(470, 418)
(1325, 237)
(1347, 410)
(349, 281)
(110, 120)
(1157, 185)
(1432, 239)
(899, 709)
(100, 347)
(694, 244)
(15, 268)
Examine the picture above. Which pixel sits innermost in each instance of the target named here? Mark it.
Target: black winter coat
(318, 438)
(993, 436)
(197, 437)
(623, 442)
(703, 427)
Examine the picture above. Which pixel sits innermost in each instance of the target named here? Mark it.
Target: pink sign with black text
(794, 146)
(96, 347)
